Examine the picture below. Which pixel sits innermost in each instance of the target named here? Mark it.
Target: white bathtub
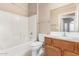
(19, 50)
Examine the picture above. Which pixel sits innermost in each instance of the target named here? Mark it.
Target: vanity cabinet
(59, 47)
(48, 41)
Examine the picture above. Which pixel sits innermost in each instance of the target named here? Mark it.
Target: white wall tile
(13, 29)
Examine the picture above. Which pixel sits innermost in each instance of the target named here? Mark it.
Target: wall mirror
(68, 22)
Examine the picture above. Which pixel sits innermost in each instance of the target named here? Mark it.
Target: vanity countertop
(63, 38)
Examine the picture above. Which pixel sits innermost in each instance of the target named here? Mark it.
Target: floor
(29, 53)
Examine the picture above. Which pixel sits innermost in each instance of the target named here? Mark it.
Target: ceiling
(52, 5)
(56, 5)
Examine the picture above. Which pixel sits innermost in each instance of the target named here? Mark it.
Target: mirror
(65, 19)
(67, 22)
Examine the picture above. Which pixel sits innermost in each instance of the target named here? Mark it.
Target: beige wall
(32, 9)
(44, 17)
(25, 9)
(17, 8)
(56, 12)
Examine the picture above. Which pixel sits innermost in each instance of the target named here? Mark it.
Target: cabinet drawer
(68, 53)
(48, 41)
(52, 51)
(66, 45)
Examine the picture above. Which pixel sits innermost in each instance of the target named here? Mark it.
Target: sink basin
(73, 35)
(57, 33)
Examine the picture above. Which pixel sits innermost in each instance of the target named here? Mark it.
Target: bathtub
(19, 50)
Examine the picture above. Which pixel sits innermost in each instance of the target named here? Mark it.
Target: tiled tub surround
(14, 39)
(61, 46)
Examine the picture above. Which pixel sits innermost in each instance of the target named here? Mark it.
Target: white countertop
(63, 38)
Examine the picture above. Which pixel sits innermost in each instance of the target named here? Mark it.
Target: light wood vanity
(54, 46)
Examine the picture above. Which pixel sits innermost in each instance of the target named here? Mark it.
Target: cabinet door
(77, 48)
(52, 51)
(67, 45)
(68, 53)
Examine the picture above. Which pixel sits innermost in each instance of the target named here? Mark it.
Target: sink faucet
(64, 34)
